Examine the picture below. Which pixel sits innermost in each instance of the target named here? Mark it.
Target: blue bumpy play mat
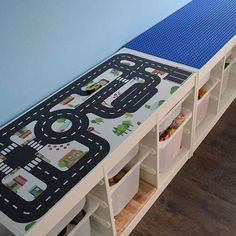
(192, 35)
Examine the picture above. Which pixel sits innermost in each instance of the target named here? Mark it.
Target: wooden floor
(201, 200)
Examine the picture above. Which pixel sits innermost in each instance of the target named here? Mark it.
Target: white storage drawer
(170, 148)
(126, 190)
(172, 114)
(123, 191)
(202, 104)
(83, 228)
(133, 152)
(170, 117)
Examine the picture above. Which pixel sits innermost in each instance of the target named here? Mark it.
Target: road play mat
(49, 149)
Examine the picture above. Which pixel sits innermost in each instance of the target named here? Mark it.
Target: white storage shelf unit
(189, 135)
(144, 166)
(221, 90)
(146, 163)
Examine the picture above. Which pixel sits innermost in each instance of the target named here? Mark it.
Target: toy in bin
(117, 177)
(172, 128)
(202, 91)
(74, 222)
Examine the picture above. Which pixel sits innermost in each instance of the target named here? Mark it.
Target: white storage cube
(170, 148)
(172, 114)
(123, 191)
(202, 104)
(115, 170)
(81, 204)
(170, 117)
(83, 228)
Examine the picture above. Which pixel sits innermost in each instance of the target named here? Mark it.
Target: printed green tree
(98, 120)
(122, 128)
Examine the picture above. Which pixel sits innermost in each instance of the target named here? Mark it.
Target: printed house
(71, 158)
(16, 183)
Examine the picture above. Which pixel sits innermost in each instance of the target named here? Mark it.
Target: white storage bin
(172, 114)
(81, 205)
(123, 191)
(170, 117)
(83, 228)
(115, 170)
(170, 148)
(202, 104)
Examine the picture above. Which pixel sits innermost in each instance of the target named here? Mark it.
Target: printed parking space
(24, 184)
(25, 135)
(63, 156)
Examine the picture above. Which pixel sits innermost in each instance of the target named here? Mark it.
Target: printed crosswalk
(8, 149)
(123, 80)
(4, 168)
(37, 146)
